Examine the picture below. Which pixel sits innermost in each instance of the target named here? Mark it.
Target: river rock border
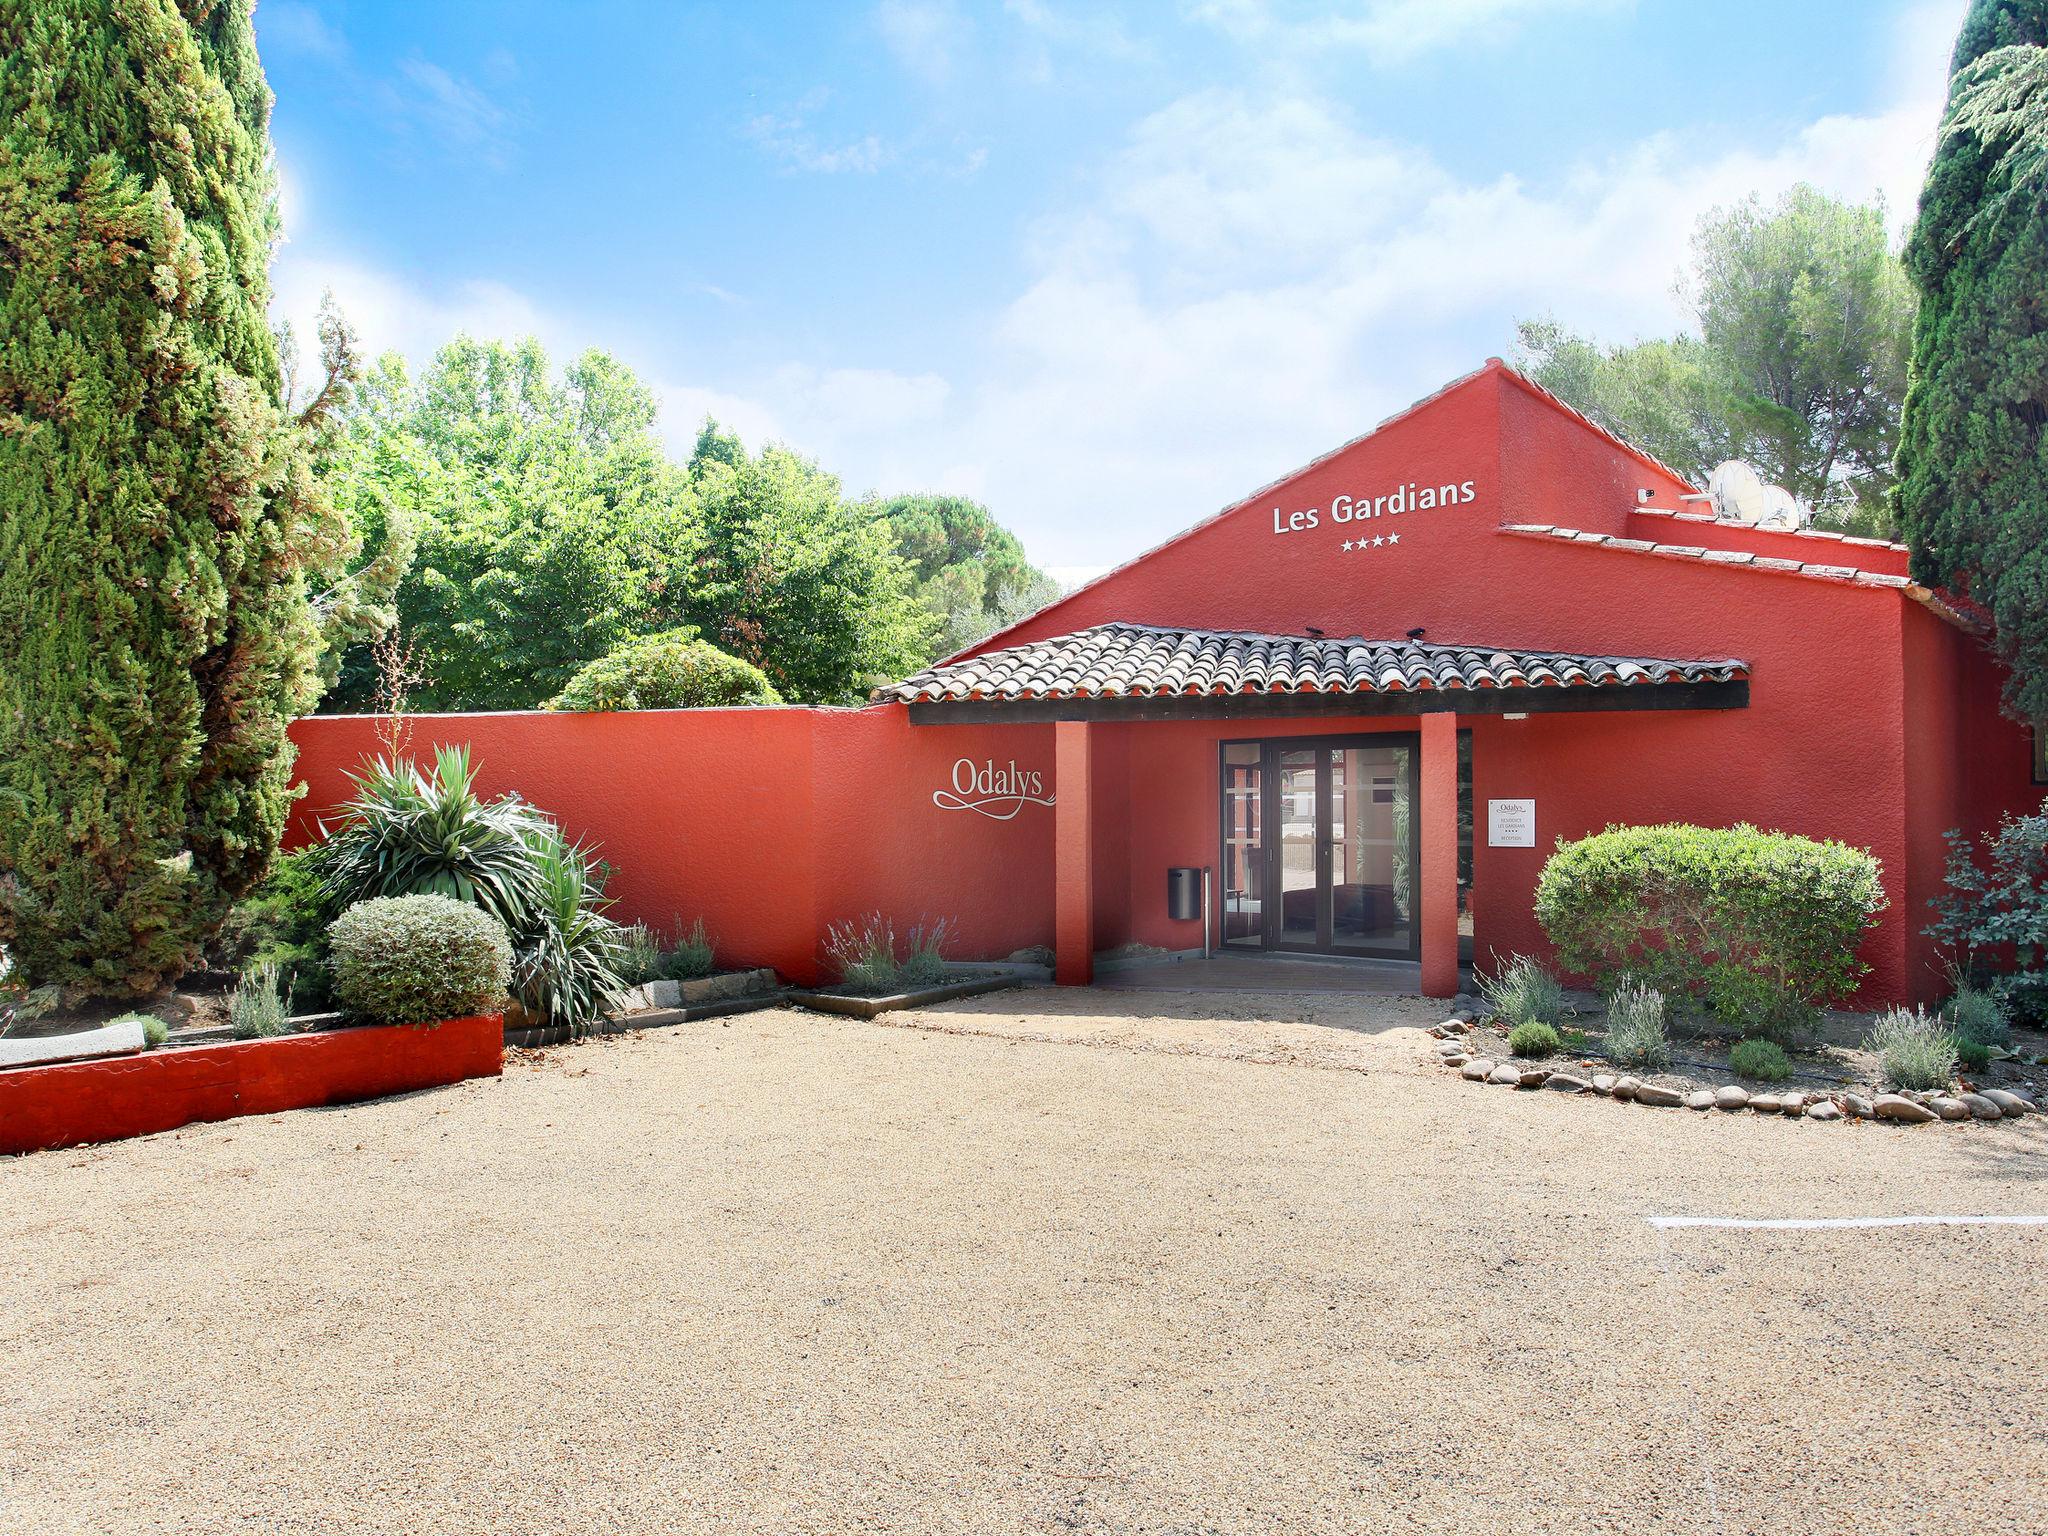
(1456, 1053)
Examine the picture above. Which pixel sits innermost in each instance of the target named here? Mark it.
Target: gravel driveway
(1034, 1262)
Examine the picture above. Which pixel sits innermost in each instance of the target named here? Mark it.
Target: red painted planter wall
(1871, 719)
(73, 1103)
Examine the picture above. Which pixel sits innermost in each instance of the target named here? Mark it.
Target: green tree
(546, 515)
(971, 573)
(1799, 365)
(1973, 460)
(159, 514)
(792, 579)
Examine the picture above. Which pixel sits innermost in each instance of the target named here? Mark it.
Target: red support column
(1073, 857)
(1439, 886)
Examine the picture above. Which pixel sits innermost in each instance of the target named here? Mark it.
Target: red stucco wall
(770, 824)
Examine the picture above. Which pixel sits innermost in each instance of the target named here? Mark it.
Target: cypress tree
(1972, 497)
(158, 513)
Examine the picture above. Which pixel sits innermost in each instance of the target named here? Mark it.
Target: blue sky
(1107, 268)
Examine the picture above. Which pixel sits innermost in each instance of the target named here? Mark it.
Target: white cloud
(296, 27)
(926, 37)
(789, 139)
(1386, 31)
(451, 111)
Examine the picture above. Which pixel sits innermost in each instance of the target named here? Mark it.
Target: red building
(1369, 698)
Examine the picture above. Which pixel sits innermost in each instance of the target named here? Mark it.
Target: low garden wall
(77, 1102)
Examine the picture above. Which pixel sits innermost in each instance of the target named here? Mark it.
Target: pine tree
(1972, 497)
(159, 516)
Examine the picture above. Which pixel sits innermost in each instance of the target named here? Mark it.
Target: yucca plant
(565, 964)
(407, 832)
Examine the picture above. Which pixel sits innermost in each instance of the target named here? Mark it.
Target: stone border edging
(1897, 1108)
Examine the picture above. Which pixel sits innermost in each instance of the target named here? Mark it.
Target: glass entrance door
(1320, 845)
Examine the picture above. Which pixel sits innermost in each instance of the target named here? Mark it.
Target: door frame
(1271, 845)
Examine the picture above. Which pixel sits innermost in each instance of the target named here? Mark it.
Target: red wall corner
(1439, 886)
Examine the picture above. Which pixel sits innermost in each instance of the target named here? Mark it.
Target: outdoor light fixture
(1520, 715)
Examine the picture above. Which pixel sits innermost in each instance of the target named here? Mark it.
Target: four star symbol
(1372, 543)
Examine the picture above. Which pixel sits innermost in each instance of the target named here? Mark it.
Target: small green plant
(1635, 1027)
(923, 963)
(154, 1030)
(419, 959)
(1914, 1048)
(1974, 1054)
(282, 922)
(694, 955)
(863, 952)
(1762, 1061)
(1523, 992)
(1533, 1039)
(260, 1006)
(640, 955)
(1979, 1018)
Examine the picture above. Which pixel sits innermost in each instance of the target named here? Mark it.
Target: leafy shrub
(671, 670)
(259, 1007)
(694, 955)
(154, 1030)
(282, 922)
(1993, 916)
(863, 952)
(1533, 1039)
(923, 963)
(1523, 992)
(1760, 928)
(565, 966)
(407, 832)
(1974, 1054)
(1978, 1017)
(640, 955)
(1763, 1061)
(417, 959)
(1914, 1048)
(1635, 1027)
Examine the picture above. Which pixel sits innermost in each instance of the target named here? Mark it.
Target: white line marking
(1823, 1223)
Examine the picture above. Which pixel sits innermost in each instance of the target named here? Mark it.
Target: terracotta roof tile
(1118, 660)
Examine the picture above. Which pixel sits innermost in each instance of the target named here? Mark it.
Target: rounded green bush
(416, 959)
(671, 670)
(1974, 1054)
(1760, 928)
(1533, 1039)
(1762, 1061)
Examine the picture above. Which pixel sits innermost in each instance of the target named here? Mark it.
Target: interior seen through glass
(1338, 871)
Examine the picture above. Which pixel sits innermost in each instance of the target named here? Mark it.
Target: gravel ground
(1258, 1266)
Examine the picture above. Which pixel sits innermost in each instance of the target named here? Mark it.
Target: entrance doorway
(1321, 845)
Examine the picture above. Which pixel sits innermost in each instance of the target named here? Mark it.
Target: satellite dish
(1783, 510)
(1737, 492)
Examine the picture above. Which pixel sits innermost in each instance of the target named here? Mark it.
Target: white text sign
(1511, 823)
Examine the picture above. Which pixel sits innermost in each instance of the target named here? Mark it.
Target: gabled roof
(1492, 366)
(1112, 661)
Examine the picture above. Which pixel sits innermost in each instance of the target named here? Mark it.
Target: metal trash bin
(1184, 894)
